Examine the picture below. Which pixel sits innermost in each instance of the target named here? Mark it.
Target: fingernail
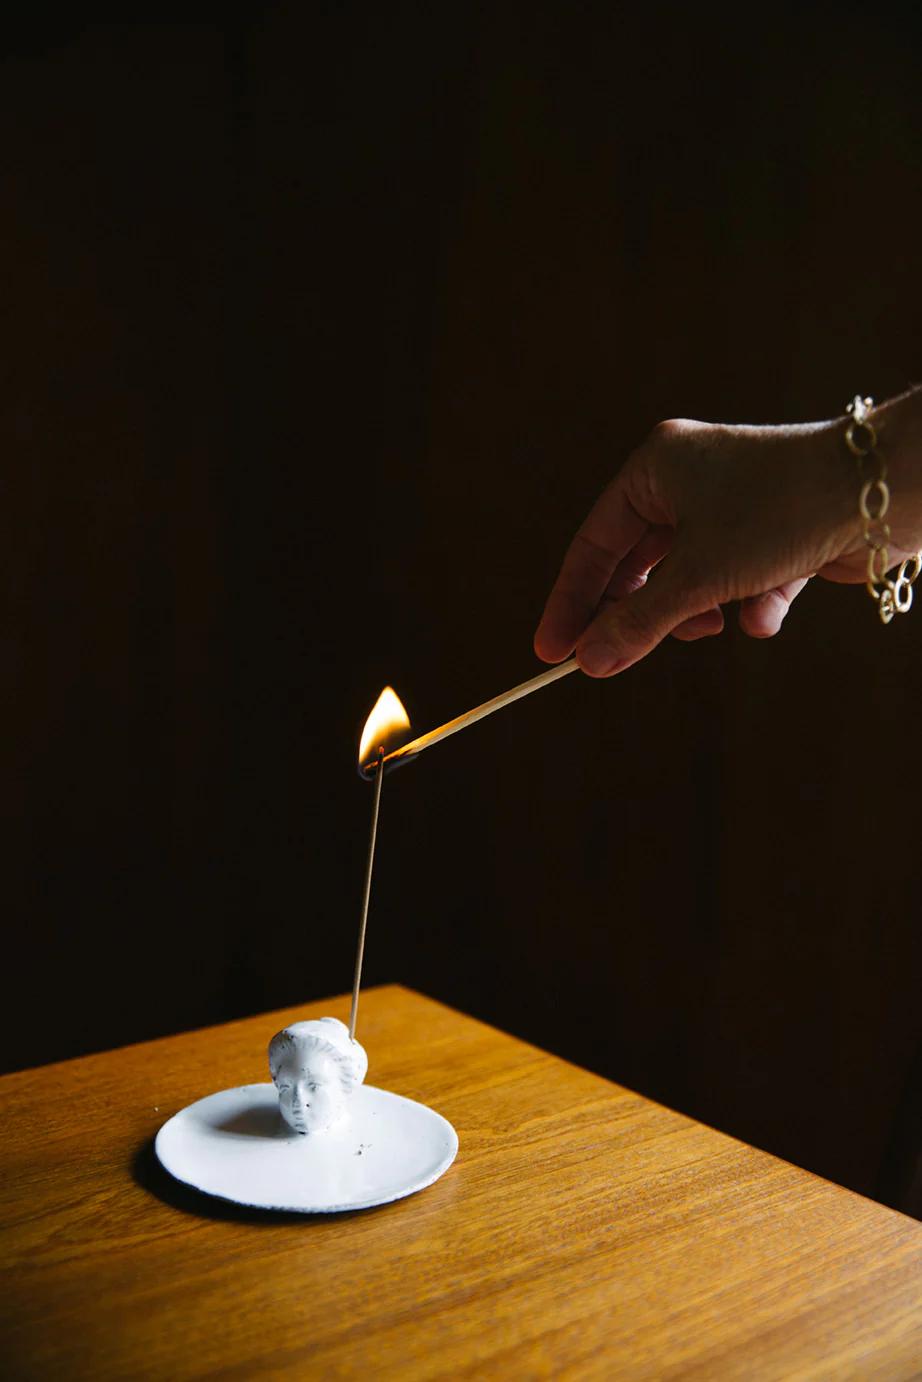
(598, 659)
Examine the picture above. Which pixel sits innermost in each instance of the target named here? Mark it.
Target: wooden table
(583, 1232)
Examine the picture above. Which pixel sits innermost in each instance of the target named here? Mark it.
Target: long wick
(360, 954)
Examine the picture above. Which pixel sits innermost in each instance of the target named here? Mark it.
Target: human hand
(710, 513)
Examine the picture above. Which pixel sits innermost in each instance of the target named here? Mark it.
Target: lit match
(405, 752)
(380, 750)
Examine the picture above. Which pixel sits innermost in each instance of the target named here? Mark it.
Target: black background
(323, 325)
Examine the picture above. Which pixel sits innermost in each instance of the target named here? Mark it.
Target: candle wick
(366, 894)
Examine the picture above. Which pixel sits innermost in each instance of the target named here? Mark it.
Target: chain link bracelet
(892, 596)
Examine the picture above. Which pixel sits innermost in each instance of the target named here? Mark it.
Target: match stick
(425, 741)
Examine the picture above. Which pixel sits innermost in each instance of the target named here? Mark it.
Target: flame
(387, 722)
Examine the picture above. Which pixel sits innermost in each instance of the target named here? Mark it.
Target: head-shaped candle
(315, 1067)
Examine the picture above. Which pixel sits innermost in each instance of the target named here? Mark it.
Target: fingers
(761, 616)
(612, 529)
(632, 572)
(626, 630)
(704, 625)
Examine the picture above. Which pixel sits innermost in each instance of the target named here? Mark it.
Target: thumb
(626, 630)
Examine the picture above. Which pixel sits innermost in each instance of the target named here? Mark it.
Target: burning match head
(387, 727)
(370, 770)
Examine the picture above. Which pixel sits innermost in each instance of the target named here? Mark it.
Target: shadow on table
(147, 1172)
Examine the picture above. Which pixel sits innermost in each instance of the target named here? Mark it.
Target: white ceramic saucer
(235, 1145)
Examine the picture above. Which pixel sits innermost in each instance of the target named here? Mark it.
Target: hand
(701, 514)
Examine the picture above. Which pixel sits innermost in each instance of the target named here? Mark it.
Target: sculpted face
(310, 1086)
(315, 1067)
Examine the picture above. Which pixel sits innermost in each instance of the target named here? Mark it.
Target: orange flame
(385, 726)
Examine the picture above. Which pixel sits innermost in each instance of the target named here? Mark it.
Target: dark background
(323, 325)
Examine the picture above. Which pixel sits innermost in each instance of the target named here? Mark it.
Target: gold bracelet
(892, 596)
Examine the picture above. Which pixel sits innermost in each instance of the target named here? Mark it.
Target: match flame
(387, 723)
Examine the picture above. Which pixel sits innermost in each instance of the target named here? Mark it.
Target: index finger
(611, 530)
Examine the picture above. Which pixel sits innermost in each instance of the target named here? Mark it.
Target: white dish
(236, 1146)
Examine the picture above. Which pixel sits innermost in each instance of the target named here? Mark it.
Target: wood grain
(583, 1232)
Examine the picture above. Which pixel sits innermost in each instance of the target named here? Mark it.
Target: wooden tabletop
(582, 1232)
